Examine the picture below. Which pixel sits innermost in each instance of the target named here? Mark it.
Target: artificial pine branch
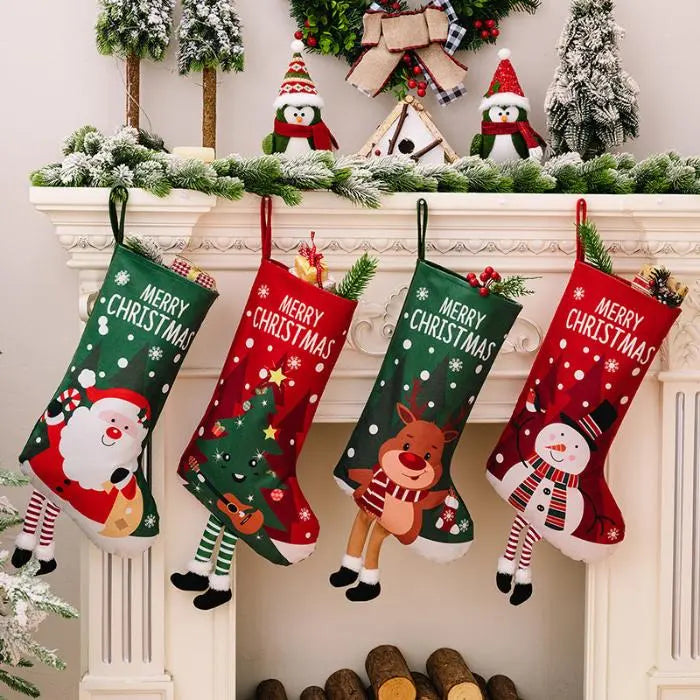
(594, 248)
(357, 278)
(146, 246)
(512, 287)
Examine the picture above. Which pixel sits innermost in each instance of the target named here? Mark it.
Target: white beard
(86, 459)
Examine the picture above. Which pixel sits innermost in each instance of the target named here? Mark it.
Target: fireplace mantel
(642, 606)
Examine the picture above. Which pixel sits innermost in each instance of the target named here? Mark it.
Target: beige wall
(53, 81)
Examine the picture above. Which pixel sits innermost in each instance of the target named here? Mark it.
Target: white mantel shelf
(642, 606)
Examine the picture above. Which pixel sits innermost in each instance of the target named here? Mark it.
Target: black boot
(343, 577)
(523, 587)
(190, 581)
(46, 567)
(212, 599)
(363, 591)
(20, 557)
(504, 574)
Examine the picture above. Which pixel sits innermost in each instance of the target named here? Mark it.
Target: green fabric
(445, 341)
(206, 546)
(143, 322)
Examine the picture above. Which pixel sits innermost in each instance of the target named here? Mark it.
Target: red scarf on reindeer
(556, 514)
(319, 133)
(500, 128)
(372, 500)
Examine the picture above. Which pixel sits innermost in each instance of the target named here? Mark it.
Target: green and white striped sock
(201, 564)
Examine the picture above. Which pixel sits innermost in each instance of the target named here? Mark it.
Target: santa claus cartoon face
(101, 444)
(563, 447)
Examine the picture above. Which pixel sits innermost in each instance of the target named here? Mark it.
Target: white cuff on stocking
(25, 540)
(203, 568)
(523, 576)
(45, 552)
(352, 563)
(369, 576)
(506, 566)
(220, 582)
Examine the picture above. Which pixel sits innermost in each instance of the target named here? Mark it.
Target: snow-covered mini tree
(210, 39)
(132, 30)
(25, 601)
(592, 102)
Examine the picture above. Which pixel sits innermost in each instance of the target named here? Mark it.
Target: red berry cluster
(486, 28)
(415, 82)
(310, 40)
(484, 280)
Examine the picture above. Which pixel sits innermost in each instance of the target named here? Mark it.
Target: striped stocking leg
(523, 576)
(26, 540)
(220, 581)
(46, 548)
(196, 578)
(506, 564)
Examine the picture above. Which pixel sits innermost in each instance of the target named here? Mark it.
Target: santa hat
(297, 88)
(593, 424)
(124, 400)
(505, 89)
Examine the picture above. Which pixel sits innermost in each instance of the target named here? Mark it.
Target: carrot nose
(504, 118)
(412, 461)
(558, 447)
(299, 120)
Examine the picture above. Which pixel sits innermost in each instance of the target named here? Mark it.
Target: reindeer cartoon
(391, 498)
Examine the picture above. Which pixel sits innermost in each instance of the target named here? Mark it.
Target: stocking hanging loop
(422, 219)
(266, 226)
(581, 218)
(118, 194)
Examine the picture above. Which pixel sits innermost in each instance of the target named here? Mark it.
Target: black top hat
(593, 424)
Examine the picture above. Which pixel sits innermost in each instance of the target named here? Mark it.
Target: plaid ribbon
(455, 34)
(186, 269)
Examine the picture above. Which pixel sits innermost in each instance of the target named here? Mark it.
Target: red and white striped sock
(33, 513)
(45, 550)
(532, 537)
(516, 528)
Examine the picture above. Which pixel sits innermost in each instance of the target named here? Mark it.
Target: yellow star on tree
(276, 376)
(270, 432)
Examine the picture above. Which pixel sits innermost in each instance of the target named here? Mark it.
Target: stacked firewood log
(448, 678)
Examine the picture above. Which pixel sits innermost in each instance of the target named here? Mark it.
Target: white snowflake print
(155, 353)
(218, 456)
(293, 362)
(422, 294)
(250, 498)
(613, 534)
(579, 293)
(456, 364)
(463, 525)
(612, 365)
(150, 521)
(304, 514)
(239, 422)
(122, 277)
(448, 516)
(263, 291)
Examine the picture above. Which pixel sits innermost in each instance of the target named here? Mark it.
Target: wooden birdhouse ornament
(410, 130)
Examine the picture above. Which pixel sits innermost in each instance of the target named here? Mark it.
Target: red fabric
(372, 498)
(500, 128)
(601, 342)
(319, 133)
(290, 325)
(505, 80)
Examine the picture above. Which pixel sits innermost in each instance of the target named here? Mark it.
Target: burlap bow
(388, 36)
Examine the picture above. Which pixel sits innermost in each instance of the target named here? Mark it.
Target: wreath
(335, 28)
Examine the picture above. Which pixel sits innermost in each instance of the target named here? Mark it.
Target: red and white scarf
(319, 133)
(501, 128)
(372, 500)
(520, 498)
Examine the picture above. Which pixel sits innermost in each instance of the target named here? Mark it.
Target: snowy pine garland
(592, 103)
(92, 159)
(25, 601)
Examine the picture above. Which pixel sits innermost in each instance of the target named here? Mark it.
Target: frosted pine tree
(592, 103)
(132, 30)
(25, 601)
(210, 39)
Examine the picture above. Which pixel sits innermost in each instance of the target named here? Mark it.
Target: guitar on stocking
(244, 518)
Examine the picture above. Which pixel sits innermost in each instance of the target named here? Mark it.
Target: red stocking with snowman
(549, 462)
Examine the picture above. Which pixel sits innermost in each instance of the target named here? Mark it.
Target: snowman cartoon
(544, 490)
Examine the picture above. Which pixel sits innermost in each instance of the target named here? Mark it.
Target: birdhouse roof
(398, 113)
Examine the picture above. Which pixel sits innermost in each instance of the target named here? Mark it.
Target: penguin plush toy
(298, 127)
(506, 133)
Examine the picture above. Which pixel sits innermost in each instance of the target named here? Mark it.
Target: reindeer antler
(416, 409)
(455, 422)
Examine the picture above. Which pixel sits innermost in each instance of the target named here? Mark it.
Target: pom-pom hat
(505, 89)
(297, 88)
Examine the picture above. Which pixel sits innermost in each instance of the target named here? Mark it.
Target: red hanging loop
(266, 226)
(581, 217)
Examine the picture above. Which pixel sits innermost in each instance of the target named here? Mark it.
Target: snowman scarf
(556, 514)
(319, 133)
(373, 499)
(532, 138)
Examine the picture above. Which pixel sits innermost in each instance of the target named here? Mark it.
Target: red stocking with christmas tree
(549, 462)
(241, 461)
